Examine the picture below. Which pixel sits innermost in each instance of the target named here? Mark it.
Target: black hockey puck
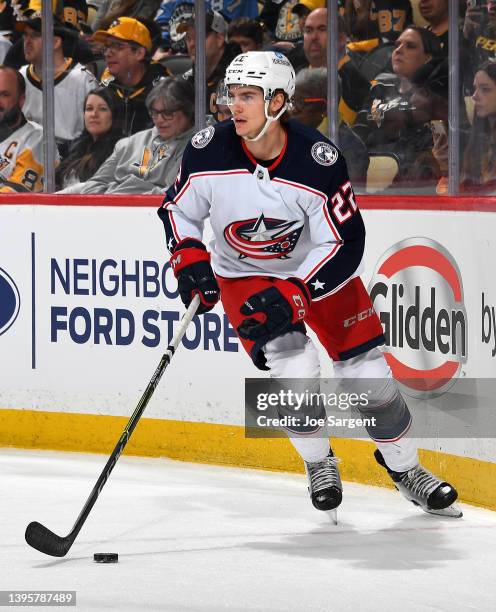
(106, 557)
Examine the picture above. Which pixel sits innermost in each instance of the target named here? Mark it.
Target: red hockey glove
(191, 266)
(283, 304)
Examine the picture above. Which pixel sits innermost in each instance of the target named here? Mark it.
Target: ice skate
(324, 485)
(424, 489)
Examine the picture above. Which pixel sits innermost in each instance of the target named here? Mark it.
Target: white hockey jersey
(298, 217)
(21, 155)
(71, 88)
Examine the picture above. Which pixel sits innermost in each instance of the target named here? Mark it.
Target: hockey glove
(283, 304)
(191, 265)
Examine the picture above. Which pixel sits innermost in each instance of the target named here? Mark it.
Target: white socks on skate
(400, 455)
(311, 449)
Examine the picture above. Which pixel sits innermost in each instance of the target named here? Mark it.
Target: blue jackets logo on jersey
(203, 137)
(263, 238)
(9, 301)
(324, 153)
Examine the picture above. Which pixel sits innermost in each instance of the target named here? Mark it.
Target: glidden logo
(418, 294)
(9, 301)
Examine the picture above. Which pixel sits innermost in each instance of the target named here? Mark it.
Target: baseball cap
(127, 29)
(28, 15)
(215, 22)
(35, 24)
(305, 6)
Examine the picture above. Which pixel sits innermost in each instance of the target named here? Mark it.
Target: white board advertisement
(88, 303)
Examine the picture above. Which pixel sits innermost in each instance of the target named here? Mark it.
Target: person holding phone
(391, 124)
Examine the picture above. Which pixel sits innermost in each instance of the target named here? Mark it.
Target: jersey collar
(276, 162)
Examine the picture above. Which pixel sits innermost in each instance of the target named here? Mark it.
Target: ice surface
(208, 538)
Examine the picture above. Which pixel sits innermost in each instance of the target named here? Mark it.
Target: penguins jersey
(21, 155)
(298, 217)
(71, 87)
(391, 17)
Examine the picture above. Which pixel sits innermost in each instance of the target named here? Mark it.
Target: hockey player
(288, 242)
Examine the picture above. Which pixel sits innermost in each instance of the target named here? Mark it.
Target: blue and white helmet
(269, 70)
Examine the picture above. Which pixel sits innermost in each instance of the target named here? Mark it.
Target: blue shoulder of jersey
(312, 159)
(212, 148)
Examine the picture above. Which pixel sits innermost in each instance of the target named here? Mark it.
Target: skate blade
(333, 515)
(453, 511)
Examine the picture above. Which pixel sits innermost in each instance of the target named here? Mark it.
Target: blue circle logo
(10, 301)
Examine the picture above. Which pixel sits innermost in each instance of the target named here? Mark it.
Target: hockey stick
(50, 543)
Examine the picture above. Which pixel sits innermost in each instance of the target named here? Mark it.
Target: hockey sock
(400, 455)
(311, 449)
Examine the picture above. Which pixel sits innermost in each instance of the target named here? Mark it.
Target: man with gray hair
(148, 161)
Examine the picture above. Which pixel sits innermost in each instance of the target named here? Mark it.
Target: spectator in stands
(479, 35)
(355, 87)
(304, 8)
(5, 45)
(130, 74)
(7, 25)
(72, 82)
(310, 107)
(430, 91)
(315, 38)
(168, 17)
(479, 163)
(391, 126)
(75, 17)
(429, 102)
(70, 15)
(110, 10)
(377, 21)
(479, 19)
(296, 53)
(170, 10)
(95, 144)
(7, 20)
(436, 13)
(218, 52)
(21, 141)
(148, 162)
(247, 33)
(279, 19)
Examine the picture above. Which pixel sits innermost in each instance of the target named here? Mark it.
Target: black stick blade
(46, 541)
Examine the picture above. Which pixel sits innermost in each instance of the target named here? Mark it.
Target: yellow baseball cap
(305, 6)
(127, 29)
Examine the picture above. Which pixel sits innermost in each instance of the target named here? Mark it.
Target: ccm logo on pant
(300, 305)
(359, 317)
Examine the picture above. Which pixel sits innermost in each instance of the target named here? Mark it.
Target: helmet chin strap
(268, 121)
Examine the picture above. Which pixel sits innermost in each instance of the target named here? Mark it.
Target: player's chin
(245, 128)
(241, 128)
